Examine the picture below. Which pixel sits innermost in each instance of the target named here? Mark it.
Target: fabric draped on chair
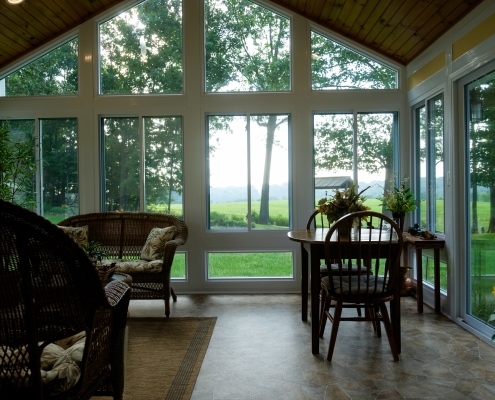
(364, 272)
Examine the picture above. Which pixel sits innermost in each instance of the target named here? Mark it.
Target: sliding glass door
(478, 91)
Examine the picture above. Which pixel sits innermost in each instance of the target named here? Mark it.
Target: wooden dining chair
(312, 224)
(376, 250)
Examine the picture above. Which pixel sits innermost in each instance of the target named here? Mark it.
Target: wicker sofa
(123, 236)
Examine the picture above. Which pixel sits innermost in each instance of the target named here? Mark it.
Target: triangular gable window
(336, 67)
(55, 73)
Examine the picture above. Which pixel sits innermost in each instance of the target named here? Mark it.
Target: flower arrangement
(398, 200)
(342, 203)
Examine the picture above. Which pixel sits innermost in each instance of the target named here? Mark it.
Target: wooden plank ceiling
(397, 29)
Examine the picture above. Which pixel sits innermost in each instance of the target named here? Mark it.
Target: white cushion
(154, 247)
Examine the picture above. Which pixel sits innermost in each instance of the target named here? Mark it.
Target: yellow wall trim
(426, 71)
(474, 37)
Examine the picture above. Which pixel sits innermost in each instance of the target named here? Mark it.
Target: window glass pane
(269, 136)
(60, 177)
(228, 188)
(334, 66)
(333, 153)
(343, 156)
(436, 181)
(421, 135)
(141, 49)
(250, 265)
(375, 151)
(480, 102)
(55, 73)
(163, 164)
(178, 270)
(247, 47)
(121, 164)
(18, 160)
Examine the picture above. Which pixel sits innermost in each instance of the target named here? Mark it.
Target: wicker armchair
(49, 290)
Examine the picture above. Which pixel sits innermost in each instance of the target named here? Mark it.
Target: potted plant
(399, 201)
(342, 203)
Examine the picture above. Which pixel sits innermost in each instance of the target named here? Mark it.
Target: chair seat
(335, 268)
(357, 285)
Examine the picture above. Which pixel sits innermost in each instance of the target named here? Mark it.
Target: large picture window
(160, 143)
(248, 163)
(141, 49)
(247, 47)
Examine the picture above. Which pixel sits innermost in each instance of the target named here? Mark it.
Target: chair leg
(388, 329)
(368, 312)
(377, 321)
(174, 297)
(335, 327)
(167, 307)
(325, 306)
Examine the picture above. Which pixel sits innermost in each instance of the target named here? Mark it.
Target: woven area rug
(164, 356)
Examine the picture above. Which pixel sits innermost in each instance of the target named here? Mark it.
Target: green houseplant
(399, 201)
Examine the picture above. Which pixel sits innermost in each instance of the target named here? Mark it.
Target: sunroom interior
(206, 117)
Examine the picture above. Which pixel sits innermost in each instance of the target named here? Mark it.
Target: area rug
(164, 356)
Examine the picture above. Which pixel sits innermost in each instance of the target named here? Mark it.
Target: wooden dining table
(312, 251)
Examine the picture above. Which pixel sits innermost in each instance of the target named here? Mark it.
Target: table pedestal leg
(304, 283)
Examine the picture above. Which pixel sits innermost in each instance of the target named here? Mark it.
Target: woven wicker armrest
(118, 294)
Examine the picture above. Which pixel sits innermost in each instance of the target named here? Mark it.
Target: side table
(419, 245)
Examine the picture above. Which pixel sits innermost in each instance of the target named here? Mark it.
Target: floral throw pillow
(78, 234)
(154, 247)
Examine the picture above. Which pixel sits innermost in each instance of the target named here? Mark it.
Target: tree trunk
(474, 209)
(491, 223)
(265, 189)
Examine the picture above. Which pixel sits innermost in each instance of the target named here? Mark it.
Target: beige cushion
(135, 266)
(355, 285)
(154, 247)
(78, 234)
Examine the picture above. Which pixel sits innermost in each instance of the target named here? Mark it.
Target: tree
(17, 168)
(54, 73)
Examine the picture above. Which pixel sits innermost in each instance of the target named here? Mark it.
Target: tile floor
(261, 350)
